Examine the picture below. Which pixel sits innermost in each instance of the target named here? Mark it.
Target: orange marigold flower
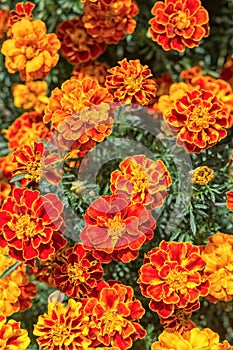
(110, 21)
(76, 271)
(4, 22)
(30, 50)
(114, 314)
(142, 180)
(229, 202)
(178, 24)
(130, 82)
(80, 112)
(16, 291)
(116, 229)
(63, 327)
(12, 336)
(31, 96)
(77, 45)
(95, 69)
(192, 339)
(22, 10)
(32, 225)
(200, 120)
(202, 175)
(218, 255)
(189, 74)
(26, 129)
(36, 164)
(173, 277)
(7, 166)
(227, 71)
(5, 190)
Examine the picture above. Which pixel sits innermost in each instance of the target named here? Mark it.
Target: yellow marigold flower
(202, 175)
(64, 327)
(194, 339)
(218, 255)
(30, 51)
(131, 83)
(12, 336)
(31, 96)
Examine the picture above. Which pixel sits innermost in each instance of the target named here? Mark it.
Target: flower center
(25, 226)
(112, 322)
(34, 169)
(200, 116)
(180, 20)
(60, 333)
(133, 83)
(78, 37)
(139, 179)
(177, 280)
(75, 273)
(115, 228)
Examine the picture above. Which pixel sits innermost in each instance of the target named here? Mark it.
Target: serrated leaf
(10, 269)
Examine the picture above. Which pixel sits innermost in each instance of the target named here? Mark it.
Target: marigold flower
(31, 96)
(114, 316)
(36, 164)
(5, 189)
(229, 202)
(64, 327)
(26, 129)
(200, 120)
(16, 291)
(12, 336)
(142, 180)
(32, 225)
(77, 45)
(189, 74)
(194, 339)
(22, 10)
(173, 277)
(202, 175)
(218, 255)
(227, 71)
(76, 271)
(80, 112)
(116, 229)
(178, 24)
(110, 21)
(130, 82)
(4, 22)
(7, 166)
(95, 69)
(30, 50)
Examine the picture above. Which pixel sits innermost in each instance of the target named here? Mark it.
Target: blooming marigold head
(199, 119)
(229, 201)
(32, 225)
(63, 326)
(130, 82)
(218, 255)
(109, 21)
(178, 24)
(96, 69)
(12, 336)
(173, 277)
(77, 46)
(116, 229)
(26, 129)
(31, 96)
(22, 10)
(30, 51)
(192, 339)
(114, 315)
(202, 175)
(142, 180)
(76, 272)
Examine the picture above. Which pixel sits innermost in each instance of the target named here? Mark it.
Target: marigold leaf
(192, 222)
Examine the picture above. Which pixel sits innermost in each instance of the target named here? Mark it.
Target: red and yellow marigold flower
(12, 336)
(36, 163)
(114, 315)
(142, 180)
(95, 69)
(202, 175)
(178, 24)
(200, 120)
(7, 166)
(22, 10)
(80, 112)
(116, 229)
(229, 201)
(16, 291)
(173, 277)
(63, 327)
(77, 46)
(26, 129)
(193, 339)
(110, 21)
(4, 21)
(32, 225)
(131, 83)
(227, 71)
(218, 255)
(76, 272)
(31, 96)
(30, 51)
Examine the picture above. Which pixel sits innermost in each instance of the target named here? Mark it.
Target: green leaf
(17, 178)
(10, 269)
(192, 222)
